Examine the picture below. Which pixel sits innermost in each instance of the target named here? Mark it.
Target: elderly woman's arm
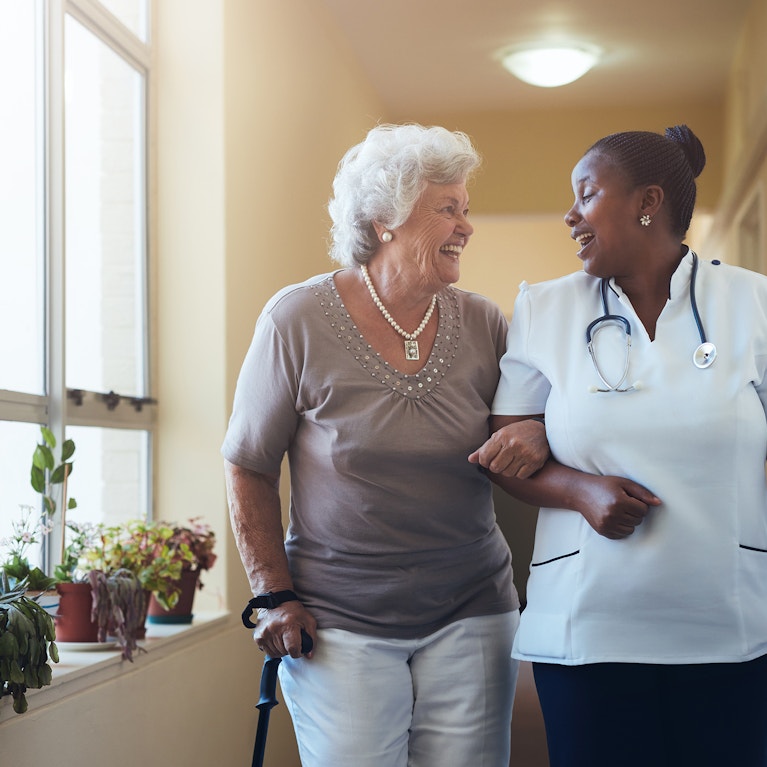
(613, 506)
(254, 509)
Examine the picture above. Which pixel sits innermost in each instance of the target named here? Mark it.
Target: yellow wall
(528, 156)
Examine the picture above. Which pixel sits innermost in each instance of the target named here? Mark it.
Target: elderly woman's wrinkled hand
(516, 450)
(278, 632)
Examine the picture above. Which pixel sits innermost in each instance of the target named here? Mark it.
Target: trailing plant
(119, 607)
(26, 643)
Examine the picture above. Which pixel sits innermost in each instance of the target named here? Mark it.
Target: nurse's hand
(517, 448)
(614, 506)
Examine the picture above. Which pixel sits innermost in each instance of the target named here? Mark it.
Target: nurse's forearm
(613, 506)
(553, 486)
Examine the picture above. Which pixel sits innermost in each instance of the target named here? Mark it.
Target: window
(74, 346)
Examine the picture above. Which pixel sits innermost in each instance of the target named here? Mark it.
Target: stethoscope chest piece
(704, 355)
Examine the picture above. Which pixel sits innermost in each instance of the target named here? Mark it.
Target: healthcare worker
(646, 619)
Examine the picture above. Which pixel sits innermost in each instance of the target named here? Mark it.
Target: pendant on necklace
(411, 350)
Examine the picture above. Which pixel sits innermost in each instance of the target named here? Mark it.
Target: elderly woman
(377, 380)
(646, 619)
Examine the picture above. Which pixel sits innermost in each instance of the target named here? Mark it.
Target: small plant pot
(182, 612)
(73, 618)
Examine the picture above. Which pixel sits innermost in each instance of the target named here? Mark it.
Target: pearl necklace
(411, 345)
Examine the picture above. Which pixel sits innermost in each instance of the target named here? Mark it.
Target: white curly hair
(381, 179)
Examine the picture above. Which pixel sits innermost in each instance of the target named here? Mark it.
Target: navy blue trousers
(642, 715)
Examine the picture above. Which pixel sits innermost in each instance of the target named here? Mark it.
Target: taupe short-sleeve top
(392, 531)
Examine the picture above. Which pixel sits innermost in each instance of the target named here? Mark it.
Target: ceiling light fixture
(549, 66)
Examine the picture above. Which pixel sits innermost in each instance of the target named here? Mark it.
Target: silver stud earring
(645, 220)
(386, 237)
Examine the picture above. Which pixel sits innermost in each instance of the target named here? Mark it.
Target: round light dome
(550, 66)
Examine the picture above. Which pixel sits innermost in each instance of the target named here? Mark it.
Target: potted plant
(119, 608)
(144, 548)
(98, 603)
(45, 475)
(193, 543)
(75, 620)
(26, 643)
(26, 531)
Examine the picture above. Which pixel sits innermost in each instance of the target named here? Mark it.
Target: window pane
(17, 443)
(132, 13)
(109, 474)
(20, 232)
(105, 221)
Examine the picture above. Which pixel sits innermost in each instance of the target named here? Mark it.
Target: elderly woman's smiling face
(437, 232)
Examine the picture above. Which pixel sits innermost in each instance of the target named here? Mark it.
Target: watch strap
(267, 601)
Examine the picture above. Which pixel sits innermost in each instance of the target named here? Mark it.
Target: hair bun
(690, 145)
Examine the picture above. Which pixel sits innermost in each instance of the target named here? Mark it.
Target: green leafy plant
(200, 540)
(26, 643)
(79, 538)
(27, 530)
(46, 473)
(145, 548)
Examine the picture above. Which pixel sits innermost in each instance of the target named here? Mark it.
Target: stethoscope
(703, 356)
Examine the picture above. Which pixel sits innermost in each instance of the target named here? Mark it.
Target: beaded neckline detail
(416, 385)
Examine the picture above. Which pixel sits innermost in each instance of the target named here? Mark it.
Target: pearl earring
(645, 220)
(386, 237)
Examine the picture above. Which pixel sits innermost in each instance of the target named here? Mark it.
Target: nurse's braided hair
(672, 161)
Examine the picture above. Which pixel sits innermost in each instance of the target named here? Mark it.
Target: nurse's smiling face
(605, 213)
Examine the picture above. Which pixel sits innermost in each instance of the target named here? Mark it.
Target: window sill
(80, 669)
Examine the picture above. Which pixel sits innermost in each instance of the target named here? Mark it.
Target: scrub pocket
(752, 593)
(546, 625)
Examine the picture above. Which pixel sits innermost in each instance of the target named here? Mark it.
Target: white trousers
(441, 701)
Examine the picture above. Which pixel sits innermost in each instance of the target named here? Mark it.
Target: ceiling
(441, 55)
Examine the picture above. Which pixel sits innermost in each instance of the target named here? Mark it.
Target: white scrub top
(690, 585)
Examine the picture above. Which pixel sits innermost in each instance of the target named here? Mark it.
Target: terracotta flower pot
(182, 612)
(73, 619)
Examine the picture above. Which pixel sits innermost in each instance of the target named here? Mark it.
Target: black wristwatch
(267, 601)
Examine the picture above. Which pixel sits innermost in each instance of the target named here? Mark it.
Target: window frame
(60, 407)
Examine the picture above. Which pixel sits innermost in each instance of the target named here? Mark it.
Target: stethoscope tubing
(703, 356)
